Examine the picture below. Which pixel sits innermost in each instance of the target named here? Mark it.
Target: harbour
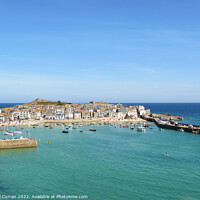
(104, 101)
(120, 159)
(112, 159)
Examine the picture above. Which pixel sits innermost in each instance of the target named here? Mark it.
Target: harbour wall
(17, 143)
(175, 126)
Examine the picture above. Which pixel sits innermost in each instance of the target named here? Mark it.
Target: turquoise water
(112, 163)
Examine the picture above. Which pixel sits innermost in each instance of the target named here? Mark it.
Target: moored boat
(140, 129)
(65, 131)
(17, 132)
(8, 133)
(92, 129)
(146, 124)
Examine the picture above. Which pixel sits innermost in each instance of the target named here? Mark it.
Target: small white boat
(181, 130)
(8, 133)
(17, 132)
(141, 129)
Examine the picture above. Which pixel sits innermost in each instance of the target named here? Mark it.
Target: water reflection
(17, 151)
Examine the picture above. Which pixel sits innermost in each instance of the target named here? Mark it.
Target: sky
(100, 50)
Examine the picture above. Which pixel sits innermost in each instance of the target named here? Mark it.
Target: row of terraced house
(72, 111)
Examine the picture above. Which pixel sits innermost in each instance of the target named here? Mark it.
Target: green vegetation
(56, 103)
(59, 103)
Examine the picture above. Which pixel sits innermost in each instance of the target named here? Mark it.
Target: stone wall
(17, 143)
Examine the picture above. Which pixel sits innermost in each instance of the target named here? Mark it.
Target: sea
(112, 163)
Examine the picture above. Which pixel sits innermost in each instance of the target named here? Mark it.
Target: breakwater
(18, 143)
(171, 124)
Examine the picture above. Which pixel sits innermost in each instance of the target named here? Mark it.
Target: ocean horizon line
(110, 102)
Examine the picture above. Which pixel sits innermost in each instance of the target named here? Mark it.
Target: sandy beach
(100, 120)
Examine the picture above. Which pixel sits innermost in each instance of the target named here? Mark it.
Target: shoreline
(101, 120)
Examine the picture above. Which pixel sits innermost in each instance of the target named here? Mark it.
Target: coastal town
(57, 112)
(41, 110)
(44, 111)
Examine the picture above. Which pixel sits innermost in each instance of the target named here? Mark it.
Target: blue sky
(111, 50)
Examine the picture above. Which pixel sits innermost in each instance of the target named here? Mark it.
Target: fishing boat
(17, 132)
(8, 133)
(65, 131)
(196, 132)
(92, 129)
(81, 131)
(146, 124)
(141, 129)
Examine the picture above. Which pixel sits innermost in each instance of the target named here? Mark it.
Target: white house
(59, 114)
(141, 110)
(2, 117)
(132, 113)
(121, 115)
(68, 115)
(77, 115)
(24, 114)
